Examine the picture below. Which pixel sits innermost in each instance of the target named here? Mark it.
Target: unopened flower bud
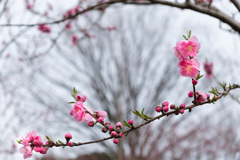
(115, 141)
(120, 135)
(68, 136)
(100, 119)
(110, 128)
(113, 133)
(91, 123)
(104, 130)
(182, 106)
(165, 108)
(190, 94)
(158, 108)
(107, 124)
(69, 144)
(130, 122)
(118, 125)
(181, 111)
(194, 82)
(172, 106)
(165, 103)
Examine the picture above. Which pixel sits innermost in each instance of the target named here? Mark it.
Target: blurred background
(122, 58)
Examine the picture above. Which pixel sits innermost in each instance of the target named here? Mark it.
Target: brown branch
(220, 95)
(236, 4)
(208, 10)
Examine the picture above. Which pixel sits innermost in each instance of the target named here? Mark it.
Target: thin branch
(236, 4)
(211, 11)
(220, 95)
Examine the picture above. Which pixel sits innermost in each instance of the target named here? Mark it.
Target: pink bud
(115, 141)
(118, 125)
(102, 114)
(91, 123)
(158, 108)
(80, 97)
(165, 108)
(113, 133)
(121, 135)
(194, 82)
(69, 144)
(100, 119)
(182, 106)
(110, 128)
(172, 106)
(104, 130)
(165, 103)
(181, 111)
(107, 124)
(38, 141)
(68, 136)
(190, 94)
(130, 122)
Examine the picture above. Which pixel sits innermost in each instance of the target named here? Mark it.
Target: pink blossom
(29, 138)
(77, 111)
(102, 114)
(189, 48)
(26, 151)
(44, 28)
(41, 150)
(87, 117)
(189, 68)
(38, 141)
(200, 97)
(208, 67)
(177, 52)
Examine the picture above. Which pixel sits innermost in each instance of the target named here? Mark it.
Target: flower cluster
(44, 28)
(200, 97)
(82, 113)
(165, 108)
(186, 51)
(32, 142)
(71, 12)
